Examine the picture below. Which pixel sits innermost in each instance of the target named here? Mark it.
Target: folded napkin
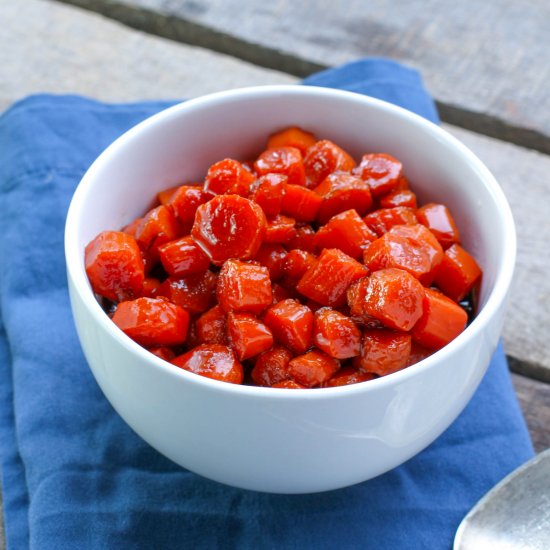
(75, 476)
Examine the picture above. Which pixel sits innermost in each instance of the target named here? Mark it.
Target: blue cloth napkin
(75, 476)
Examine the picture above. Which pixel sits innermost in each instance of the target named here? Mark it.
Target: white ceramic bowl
(278, 440)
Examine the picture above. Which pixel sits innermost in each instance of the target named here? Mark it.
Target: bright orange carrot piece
(292, 137)
(210, 327)
(348, 375)
(247, 335)
(268, 192)
(301, 203)
(228, 176)
(438, 219)
(323, 158)
(313, 368)
(400, 197)
(382, 220)
(271, 367)
(458, 273)
(280, 229)
(384, 351)
(336, 334)
(183, 257)
(382, 172)
(195, 293)
(282, 160)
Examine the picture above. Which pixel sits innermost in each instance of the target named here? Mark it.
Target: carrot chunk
(336, 334)
(382, 172)
(410, 247)
(229, 226)
(280, 229)
(157, 227)
(418, 353)
(210, 327)
(268, 192)
(164, 196)
(152, 321)
(282, 160)
(458, 273)
(303, 239)
(326, 282)
(131, 228)
(348, 375)
(271, 367)
(247, 336)
(346, 231)
(323, 158)
(442, 321)
(382, 220)
(272, 256)
(313, 368)
(384, 351)
(228, 177)
(163, 352)
(212, 361)
(244, 287)
(195, 293)
(291, 323)
(183, 257)
(184, 203)
(401, 197)
(289, 385)
(150, 287)
(295, 264)
(114, 266)
(292, 137)
(301, 203)
(437, 218)
(391, 296)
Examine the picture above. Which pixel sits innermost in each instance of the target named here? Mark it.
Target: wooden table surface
(488, 66)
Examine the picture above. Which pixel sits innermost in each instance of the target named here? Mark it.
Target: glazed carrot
(400, 197)
(292, 137)
(244, 287)
(195, 293)
(291, 324)
(131, 228)
(382, 172)
(152, 321)
(184, 203)
(228, 176)
(391, 296)
(382, 220)
(183, 257)
(229, 226)
(303, 239)
(313, 368)
(327, 281)
(458, 273)
(289, 385)
(295, 264)
(323, 158)
(280, 229)
(342, 191)
(438, 219)
(150, 287)
(268, 192)
(418, 353)
(210, 327)
(272, 256)
(114, 266)
(442, 321)
(213, 361)
(282, 160)
(336, 334)
(157, 227)
(163, 352)
(164, 196)
(247, 336)
(348, 375)
(384, 351)
(301, 203)
(280, 293)
(271, 367)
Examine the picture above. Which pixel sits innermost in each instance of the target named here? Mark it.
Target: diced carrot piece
(282, 160)
(382, 172)
(301, 203)
(336, 334)
(272, 256)
(185, 201)
(131, 228)
(244, 287)
(291, 323)
(271, 367)
(295, 264)
(228, 177)
(183, 257)
(382, 220)
(392, 296)
(229, 226)
(303, 239)
(458, 273)
(268, 192)
(195, 293)
(211, 327)
(342, 191)
(410, 247)
(346, 231)
(401, 197)
(292, 137)
(165, 195)
(348, 375)
(157, 227)
(418, 353)
(327, 281)
(152, 321)
(212, 361)
(150, 287)
(438, 219)
(313, 368)
(289, 385)
(163, 352)
(247, 336)
(442, 321)
(384, 351)
(402, 184)
(280, 229)
(323, 158)
(114, 266)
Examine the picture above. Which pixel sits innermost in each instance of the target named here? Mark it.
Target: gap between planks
(182, 30)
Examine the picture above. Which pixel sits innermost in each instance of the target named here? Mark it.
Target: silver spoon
(514, 515)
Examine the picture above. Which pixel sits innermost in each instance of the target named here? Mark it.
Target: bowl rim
(497, 296)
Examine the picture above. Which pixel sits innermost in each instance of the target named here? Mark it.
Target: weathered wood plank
(489, 59)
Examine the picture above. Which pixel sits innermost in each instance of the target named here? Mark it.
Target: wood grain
(486, 63)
